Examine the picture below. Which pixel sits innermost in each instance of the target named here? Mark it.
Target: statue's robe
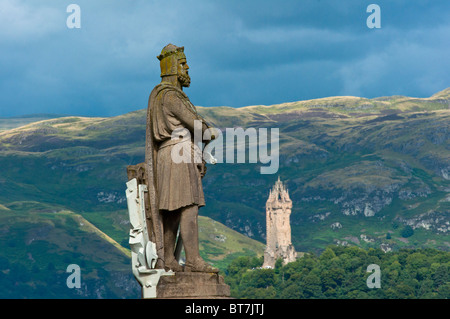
(178, 184)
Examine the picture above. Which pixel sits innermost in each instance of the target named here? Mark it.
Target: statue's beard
(184, 79)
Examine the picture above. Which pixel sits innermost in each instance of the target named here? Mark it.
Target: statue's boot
(189, 233)
(199, 265)
(173, 265)
(170, 221)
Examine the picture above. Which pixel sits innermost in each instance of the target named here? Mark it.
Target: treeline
(341, 273)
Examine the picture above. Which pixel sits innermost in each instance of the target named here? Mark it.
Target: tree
(311, 285)
(444, 291)
(340, 272)
(258, 278)
(278, 264)
(328, 254)
(417, 260)
(404, 291)
(293, 291)
(407, 231)
(441, 276)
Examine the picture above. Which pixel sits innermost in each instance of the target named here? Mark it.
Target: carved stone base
(187, 285)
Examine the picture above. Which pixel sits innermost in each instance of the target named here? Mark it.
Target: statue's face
(183, 74)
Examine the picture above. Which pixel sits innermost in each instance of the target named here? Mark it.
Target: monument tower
(278, 227)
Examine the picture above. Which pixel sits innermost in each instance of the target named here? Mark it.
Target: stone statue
(178, 185)
(174, 190)
(164, 194)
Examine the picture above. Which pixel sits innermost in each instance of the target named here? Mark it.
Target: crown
(169, 50)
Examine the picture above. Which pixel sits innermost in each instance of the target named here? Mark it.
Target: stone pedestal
(191, 285)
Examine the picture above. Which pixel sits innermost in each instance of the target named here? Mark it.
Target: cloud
(20, 21)
(240, 52)
(412, 63)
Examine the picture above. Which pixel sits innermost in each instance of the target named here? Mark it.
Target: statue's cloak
(171, 185)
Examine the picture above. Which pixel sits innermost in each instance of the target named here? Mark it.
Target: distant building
(278, 227)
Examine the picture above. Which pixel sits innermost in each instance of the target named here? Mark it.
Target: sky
(240, 53)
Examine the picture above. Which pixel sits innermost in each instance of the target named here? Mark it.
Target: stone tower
(278, 227)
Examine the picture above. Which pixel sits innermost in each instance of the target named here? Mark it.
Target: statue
(164, 196)
(178, 186)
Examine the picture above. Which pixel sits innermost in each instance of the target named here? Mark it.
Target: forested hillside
(341, 273)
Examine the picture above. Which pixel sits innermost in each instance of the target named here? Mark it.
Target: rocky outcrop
(336, 225)
(436, 221)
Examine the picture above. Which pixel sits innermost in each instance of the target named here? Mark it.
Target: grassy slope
(220, 245)
(28, 223)
(333, 146)
(80, 163)
(8, 123)
(40, 240)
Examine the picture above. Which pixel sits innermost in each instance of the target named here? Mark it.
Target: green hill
(39, 241)
(7, 123)
(359, 171)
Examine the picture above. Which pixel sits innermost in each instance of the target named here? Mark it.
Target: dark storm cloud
(308, 49)
(240, 52)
